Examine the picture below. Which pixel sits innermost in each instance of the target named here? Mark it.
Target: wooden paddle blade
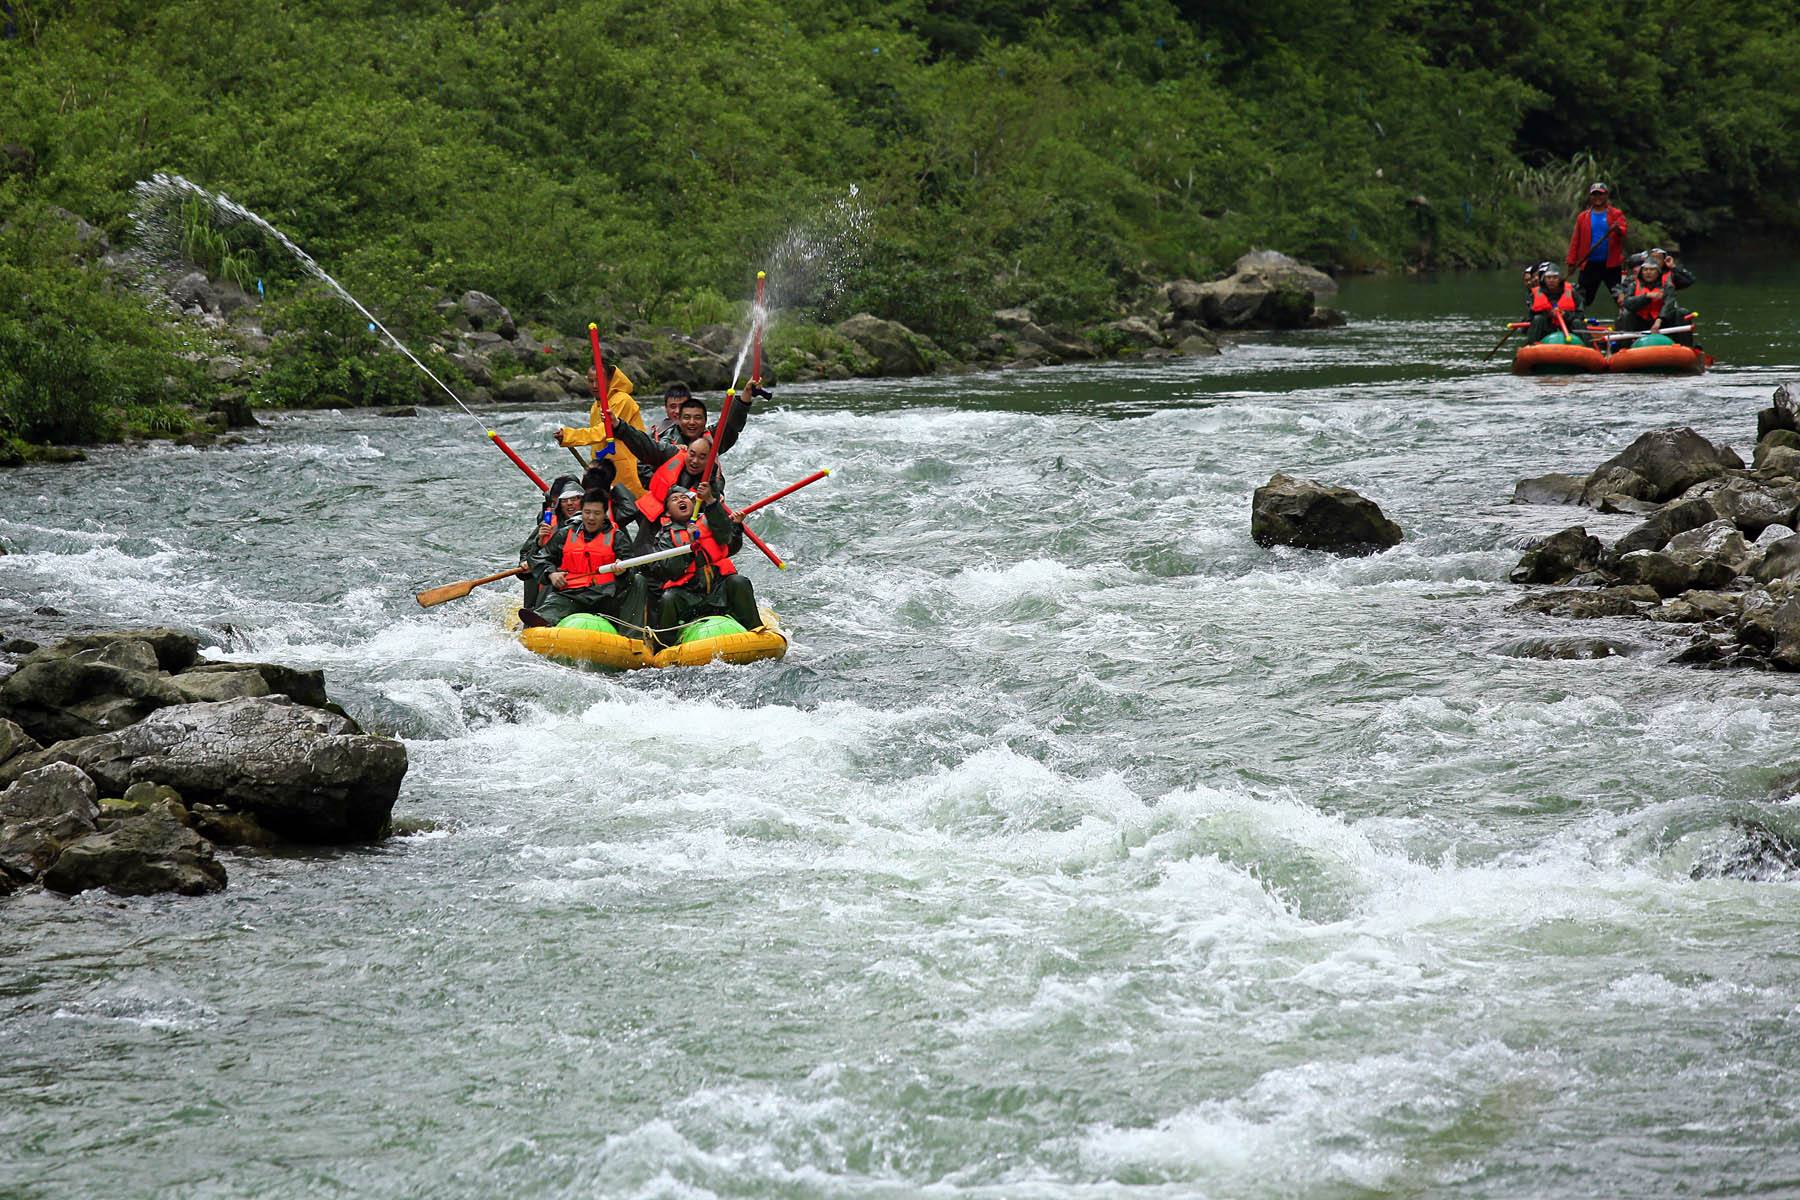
(456, 591)
(450, 591)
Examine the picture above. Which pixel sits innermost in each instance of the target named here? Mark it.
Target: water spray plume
(152, 220)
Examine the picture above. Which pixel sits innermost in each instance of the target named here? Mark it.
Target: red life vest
(1540, 303)
(656, 493)
(706, 547)
(583, 558)
(1653, 310)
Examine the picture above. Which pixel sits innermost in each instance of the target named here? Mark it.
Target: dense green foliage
(81, 360)
(629, 159)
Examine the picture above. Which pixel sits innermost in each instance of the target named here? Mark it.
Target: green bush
(324, 355)
(81, 358)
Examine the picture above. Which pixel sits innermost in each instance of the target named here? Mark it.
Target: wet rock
(895, 349)
(222, 827)
(1780, 560)
(488, 315)
(302, 772)
(1653, 569)
(1582, 605)
(175, 650)
(55, 696)
(139, 856)
(1196, 345)
(1715, 547)
(1775, 439)
(1559, 557)
(1614, 484)
(1278, 268)
(1673, 460)
(40, 812)
(1665, 523)
(1779, 415)
(1759, 852)
(534, 390)
(1753, 505)
(1289, 511)
(1699, 605)
(1567, 648)
(14, 740)
(1781, 462)
(258, 679)
(1771, 624)
(1549, 489)
(1134, 333)
(403, 411)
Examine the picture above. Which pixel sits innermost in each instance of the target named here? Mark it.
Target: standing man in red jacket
(1597, 247)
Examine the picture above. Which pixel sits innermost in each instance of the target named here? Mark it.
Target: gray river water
(1078, 848)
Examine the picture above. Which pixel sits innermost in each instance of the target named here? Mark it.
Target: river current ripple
(1079, 847)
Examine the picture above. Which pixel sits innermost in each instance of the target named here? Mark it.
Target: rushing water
(1079, 847)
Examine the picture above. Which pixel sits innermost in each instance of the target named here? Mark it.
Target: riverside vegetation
(1002, 182)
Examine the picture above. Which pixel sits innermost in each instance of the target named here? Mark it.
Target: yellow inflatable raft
(707, 640)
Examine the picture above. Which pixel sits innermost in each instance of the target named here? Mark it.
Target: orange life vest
(584, 558)
(706, 547)
(656, 493)
(1540, 303)
(1653, 310)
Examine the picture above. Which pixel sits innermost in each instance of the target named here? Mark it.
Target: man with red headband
(1597, 246)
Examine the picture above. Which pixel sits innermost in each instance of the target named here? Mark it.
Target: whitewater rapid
(1078, 848)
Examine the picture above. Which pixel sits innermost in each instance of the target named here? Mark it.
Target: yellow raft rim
(619, 653)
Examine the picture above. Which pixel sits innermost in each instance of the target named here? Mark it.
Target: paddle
(1510, 330)
(1623, 337)
(788, 490)
(456, 591)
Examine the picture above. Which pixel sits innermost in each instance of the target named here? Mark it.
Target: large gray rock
(487, 315)
(1753, 505)
(302, 772)
(1665, 523)
(54, 696)
(1566, 648)
(1279, 268)
(534, 390)
(14, 740)
(139, 856)
(1775, 439)
(1665, 573)
(1780, 560)
(39, 813)
(1559, 557)
(1779, 415)
(174, 649)
(1771, 624)
(1673, 460)
(895, 349)
(1718, 545)
(231, 680)
(1549, 489)
(1581, 604)
(193, 293)
(1615, 483)
(1289, 511)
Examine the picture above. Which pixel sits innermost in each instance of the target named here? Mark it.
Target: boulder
(1780, 560)
(1302, 512)
(1774, 533)
(175, 650)
(302, 772)
(260, 679)
(1197, 345)
(1549, 489)
(55, 696)
(1279, 268)
(1673, 460)
(1754, 506)
(1782, 462)
(1699, 605)
(1566, 648)
(1134, 333)
(534, 390)
(1717, 542)
(1664, 573)
(1775, 439)
(193, 293)
(139, 856)
(486, 314)
(895, 349)
(1559, 557)
(14, 740)
(1665, 523)
(1582, 605)
(1759, 852)
(1613, 483)
(1779, 415)
(41, 811)
(1186, 299)
(1771, 624)
(1015, 320)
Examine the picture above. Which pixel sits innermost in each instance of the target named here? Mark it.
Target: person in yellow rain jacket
(625, 410)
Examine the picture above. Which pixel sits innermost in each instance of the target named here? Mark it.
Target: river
(1079, 847)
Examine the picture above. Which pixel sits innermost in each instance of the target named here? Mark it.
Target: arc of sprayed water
(162, 184)
(759, 316)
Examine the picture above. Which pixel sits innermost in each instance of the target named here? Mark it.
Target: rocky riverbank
(127, 759)
(1715, 553)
